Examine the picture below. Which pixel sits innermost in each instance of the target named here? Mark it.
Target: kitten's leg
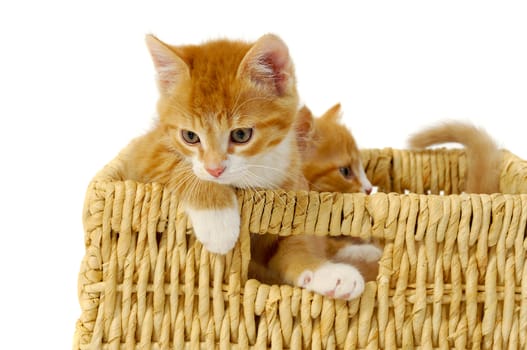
(215, 217)
(365, 257)
(365, 251)
(301, 261)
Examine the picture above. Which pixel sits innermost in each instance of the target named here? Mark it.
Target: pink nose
(368, 190)
(216, 172)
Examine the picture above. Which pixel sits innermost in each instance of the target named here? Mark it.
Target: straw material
(451, 276)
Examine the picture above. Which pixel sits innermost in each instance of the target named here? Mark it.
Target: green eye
(346, 172)
(189, 137)
(241, 135)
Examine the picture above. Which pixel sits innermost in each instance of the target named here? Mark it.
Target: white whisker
(286, 175)
(246, 184)
(252, 175)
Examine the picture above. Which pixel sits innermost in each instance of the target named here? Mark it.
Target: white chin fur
(366, 184)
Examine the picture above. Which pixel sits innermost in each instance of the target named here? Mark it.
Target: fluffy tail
(483, 155)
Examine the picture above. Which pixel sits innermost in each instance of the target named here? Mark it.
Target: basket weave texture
(453, 272)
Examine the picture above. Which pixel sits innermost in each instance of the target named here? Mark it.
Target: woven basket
(451, 276)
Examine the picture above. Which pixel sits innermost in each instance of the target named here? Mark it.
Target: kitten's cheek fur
(336, 280)
(216, 229)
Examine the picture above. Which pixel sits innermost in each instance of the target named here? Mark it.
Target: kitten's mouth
(223, 179)
(235, 181)
(220, 180)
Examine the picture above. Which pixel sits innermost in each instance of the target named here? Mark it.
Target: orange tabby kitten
(483, 155)
(227, 118)
(226, 110)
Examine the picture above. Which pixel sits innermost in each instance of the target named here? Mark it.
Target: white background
(76, 83)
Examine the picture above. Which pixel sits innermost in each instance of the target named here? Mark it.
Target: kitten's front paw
(217, 230)
(335, 280)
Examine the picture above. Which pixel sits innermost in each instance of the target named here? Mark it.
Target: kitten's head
(228, 107)
(332, 160)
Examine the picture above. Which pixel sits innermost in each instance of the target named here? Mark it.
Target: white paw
(335, 280)
(366, 252)
(218, 229)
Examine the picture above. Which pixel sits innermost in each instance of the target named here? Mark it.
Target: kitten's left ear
(267, 63)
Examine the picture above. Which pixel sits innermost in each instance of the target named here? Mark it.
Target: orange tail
(483, 155)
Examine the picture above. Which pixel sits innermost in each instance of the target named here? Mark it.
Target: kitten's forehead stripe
(214, 88)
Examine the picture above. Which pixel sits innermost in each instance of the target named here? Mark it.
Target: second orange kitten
(332, 162)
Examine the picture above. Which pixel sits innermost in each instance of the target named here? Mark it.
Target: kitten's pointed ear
(333, 114)
(305, 131)
(304, 122)
(268, 65)
(171, 69)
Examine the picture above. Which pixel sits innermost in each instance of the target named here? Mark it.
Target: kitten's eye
(190, 137)
(346, 172)
(241, 135)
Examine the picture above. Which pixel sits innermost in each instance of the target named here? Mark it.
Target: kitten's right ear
(268, 65)
(333, 114)
(171, 69)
